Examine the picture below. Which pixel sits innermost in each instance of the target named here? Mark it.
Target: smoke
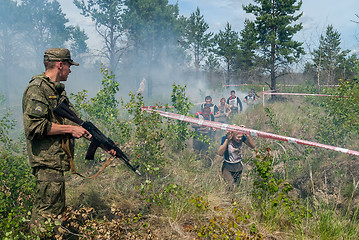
(152, 79)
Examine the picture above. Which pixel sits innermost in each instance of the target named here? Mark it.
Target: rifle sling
(66, 148)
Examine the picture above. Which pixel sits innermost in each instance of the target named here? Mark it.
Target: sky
(317, 15)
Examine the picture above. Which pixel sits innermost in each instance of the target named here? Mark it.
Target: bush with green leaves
(179, 129)
(344, 109)
(271, 195)
(339, 121)
(6, 124)
(172, 198)
(17, 185)
(103, 111)
(238, 225)
(17, 190)
(104, 106)
(143, 132)
(148, 137)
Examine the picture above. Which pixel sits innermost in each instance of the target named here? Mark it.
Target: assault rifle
(98, 138)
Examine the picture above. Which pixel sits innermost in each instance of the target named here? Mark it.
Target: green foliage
(271, 195)
(103, 111)
(11, 27)
(148, 136)
(245, 62)
(147, 131)
(16, 195)
(154, 28)
(80, 102)
(179, 99)
(16, 185)
(195, 37)
(108, 17)
(345, 108)
(78, 41)
(226, 45)
(329, 59)
(275, 27)
(200, 203)
(237, 226)
(104, 106)
(308, 87)
(171, 198)
(212, 65)
(6, 124)
(330, 224)
(46, 26)
(341, 119)
(179, 130)
(152, 21)
(272, 119)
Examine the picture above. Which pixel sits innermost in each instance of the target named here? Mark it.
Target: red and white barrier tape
(280, 85)
(157, 107)
(299, 94)
(251, 132)
(244, 84)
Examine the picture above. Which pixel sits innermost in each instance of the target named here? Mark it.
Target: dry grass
(314, 172)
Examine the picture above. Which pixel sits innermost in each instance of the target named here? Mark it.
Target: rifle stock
(97, 139)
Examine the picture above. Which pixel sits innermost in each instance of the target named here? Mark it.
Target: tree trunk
(272, 51)
(272, 70)
(318, 70)
(228, 72)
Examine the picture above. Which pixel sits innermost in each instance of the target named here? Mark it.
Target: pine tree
(195, 37)
(245, 62)
(226, 45)
(329, 56)
(275, 27)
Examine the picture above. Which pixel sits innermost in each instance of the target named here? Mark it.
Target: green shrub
(16, 185)
(17, 189)
(271, 195)
(237, 225)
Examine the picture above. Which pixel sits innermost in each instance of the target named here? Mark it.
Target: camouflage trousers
(50, 194)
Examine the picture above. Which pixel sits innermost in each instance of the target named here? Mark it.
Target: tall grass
(187, 198)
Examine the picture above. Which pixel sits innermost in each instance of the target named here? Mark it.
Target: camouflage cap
(59, 54)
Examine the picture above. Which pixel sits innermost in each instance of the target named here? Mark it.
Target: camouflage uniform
(47, 158)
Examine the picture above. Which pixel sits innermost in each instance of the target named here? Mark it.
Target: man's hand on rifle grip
(78, 132)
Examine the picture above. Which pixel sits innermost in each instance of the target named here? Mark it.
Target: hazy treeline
(149, 42)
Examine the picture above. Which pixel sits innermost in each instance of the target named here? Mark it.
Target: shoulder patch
(38, 109)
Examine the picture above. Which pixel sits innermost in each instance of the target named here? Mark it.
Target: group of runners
(232, 142)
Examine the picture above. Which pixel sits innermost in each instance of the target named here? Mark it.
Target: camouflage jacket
(40, 97)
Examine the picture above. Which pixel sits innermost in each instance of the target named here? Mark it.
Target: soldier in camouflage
(46, 133)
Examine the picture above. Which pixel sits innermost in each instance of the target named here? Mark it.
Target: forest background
(149, 48)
